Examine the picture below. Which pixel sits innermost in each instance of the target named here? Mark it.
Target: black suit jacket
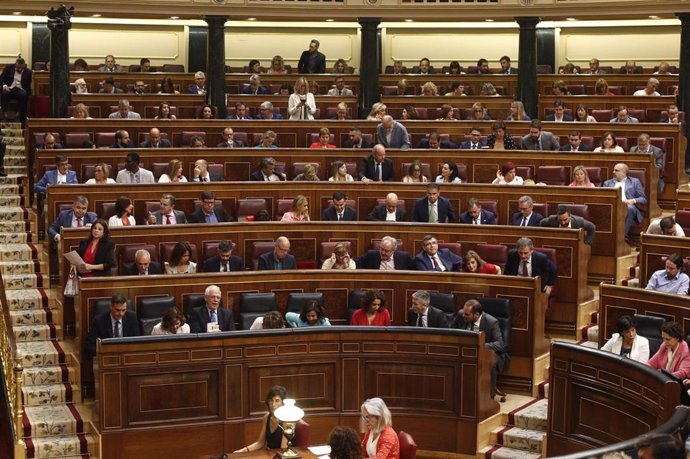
(330, 215)
(162, 143)
(444, 144)
(258, 176)
(541, 266)
(582, 147)
(302, 65)
(435, 318)
(133, 270)
(235, 144)
(372, 260)
(267, 261)
(234, 117)
(575, 223)
(130, 144)
(105, 253)
(221, 215)
(102, 327)
(212, 265)
(534, 219)
(7, 77)
(493, 338)
(198, 319)
(379, 214)
(446, 212)
(486, 217)
(367, 168)
(467, 145)
(552, 117)
(366, 143)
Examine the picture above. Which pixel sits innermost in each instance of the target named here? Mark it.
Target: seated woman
(344, 443)
(626, 342)
(340, 258)
(123, 213)
(340, 66)
(312, 314)
(270, 320)
(324, 139)
(475, 264)
(380, 440)
(568, 69)
(267, 140)
(429, 89)
(164, 112)
(372, 311)
(581, 177)
(507, 175)
(168, 87)
(601, 88)
(101, 175)
(447, 113)
(454, 68)
(174, 173)
(271, 435)
(81, 112)
(309, 174)
(582, 115)
(488, 89)
(339, 172)
(479, 113)
(299, 212)
(559, 88)
(80, 65)
(172, 323)
(206, 112)
(500, 139)
(517, 112)
(414, 173)
(449, 173)
(277, 65)
(97, 251)
(608, 144)
(180, 262)
(673, 354)
(378, 111)
(254, 66)
(314, 88)
(409, 112)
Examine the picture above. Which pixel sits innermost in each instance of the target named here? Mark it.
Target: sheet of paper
(74, 258)
(320, 450)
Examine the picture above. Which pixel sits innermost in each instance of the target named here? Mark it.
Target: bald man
(389, 211)
(155, 140)
(279, 259)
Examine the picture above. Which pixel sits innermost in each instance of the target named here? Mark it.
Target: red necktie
(167, 220)
(525, 273)
(79, 223)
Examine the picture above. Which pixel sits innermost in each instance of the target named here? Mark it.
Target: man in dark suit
(422, 314)
(75, 217)
(386, 258)
(575, 143)
(538, 139)
(155, 140)
(225, 261)
(267, 172)
(209, 212)
(339, 211)
(279, 259)
(644, 146)
(506, 68)
(475, 142)
(202, 174)
(433, 142)
(61, 174)
(16, 87)
(266, 112)
(392, 134)
(116, 323)
(228, 140)
(143, 266)
(389, 211)
(311, 60)
(433, 208)
(49, 143)
(211, 317)
(475, 215)
(355, 140)
(240, 112)
(122, 140)
(472, 317)
(559, 115)
(524, 261)
(633, 191)
(526, 216)
(167, 215)
(254, 86)
(199, 84)
(431, 258)
(564, 219)
(375, 167)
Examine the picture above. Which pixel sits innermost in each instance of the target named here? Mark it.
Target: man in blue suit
(16, 87)
(279, 259)
(526, 216)
(61, 174)
(254, 86)
(475, 215)
(392, 134)
(240, 112)
(199, 84)
(75, 217)
(475, 142)
(633, 194)
(211, 317)
(431, 258)
(524, 261)
(266, 112)
(433, 208)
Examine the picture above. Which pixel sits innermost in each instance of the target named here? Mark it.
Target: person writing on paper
(380, 440)
(97, 251)
(171, 323)
(271, 435)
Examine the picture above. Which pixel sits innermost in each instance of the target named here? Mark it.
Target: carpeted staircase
(53, 427)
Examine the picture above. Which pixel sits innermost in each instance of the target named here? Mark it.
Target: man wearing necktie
(340, 90)
(69, 218)
(376, 167)
(475, 141)
(339, 211)
(526, 216)
(525, 261)
(117, 322)
(433, 208)
(167, 215)
(225, 261)
(475, 215)
(538, 139)
(431, 258)
(644, 145)
(422, 314)
(211, 315)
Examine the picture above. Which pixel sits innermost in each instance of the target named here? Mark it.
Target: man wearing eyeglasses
(209, 212)
(279, 259)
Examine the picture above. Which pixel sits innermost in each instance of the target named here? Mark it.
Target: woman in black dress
(271, 435)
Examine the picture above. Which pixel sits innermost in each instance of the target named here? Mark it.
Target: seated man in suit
(266, 112)
(431, 258)
(124, 112)
(225, 261)
(15, 80)
(524, 261)
(228, 140)
(559, 115)
(210, 317)
(475, 142)
(526, 216)
(472, 317)
(199, 86)
(666, 226)
(433, 208)
(202, 174)
(209, 212)
(622, 116)
(389, 211)
(108, 87)
(143, 266)
(375, 167)
(49, 143)
(279, 259)
(538, 139)
(644, 146)
(110, 65)
(392, 134)
(267, 172)
(632, 192)
(254, 86)
(76, 217)
(155, 140)
(166, 215)
(240, 112)
(60, 175)
(575, 143)
(434, 142)
(118, 322)
(564, 219)
(355, 140)
(339, 211)
(423, 314)
(341, 113)
(122, 140)
(339, 89)
(386, 258)
(475, 215)
(132, 173)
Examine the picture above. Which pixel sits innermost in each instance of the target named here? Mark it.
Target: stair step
(543, 389)
(28, 298)
(42, 354)
(52, 420)
(31, 317)
(518, 438)
(49, 394)
(50, 374)
(502, 452)
(21, 267)
(23, 281)
(532, 416)
(61, 447)
(33, 333)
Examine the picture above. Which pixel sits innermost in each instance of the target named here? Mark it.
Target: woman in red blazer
(380, 440)
(674, 348)
(373, 310)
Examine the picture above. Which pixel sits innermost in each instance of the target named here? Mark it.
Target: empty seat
(445, 302)
(408, 447)
(525, 172)
(104, 139)
(302, 434)
(493, 253)
(354, 302)
(253, 305)
(159, 169)
(250, 207)
(296, 301)
(105, 210)
(576, 89)
(683, 219)
(173, 68)
(551, 175)
(602, 116)
(596, 176)
(454, 247)
(650, 328)
(76, 139)
(150, 311)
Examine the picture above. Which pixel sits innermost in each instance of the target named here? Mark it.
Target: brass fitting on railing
(18, 405)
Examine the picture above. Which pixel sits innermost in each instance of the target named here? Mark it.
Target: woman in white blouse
(627, 343)
(608, 144)
(101, 175)
(171, 323)
(174, 173)
(301, 104)
(123, 213)
(339, 172)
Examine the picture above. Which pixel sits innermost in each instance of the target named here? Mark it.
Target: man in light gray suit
(644, 146)
(392, 134)
(132, 173)
(538, 139)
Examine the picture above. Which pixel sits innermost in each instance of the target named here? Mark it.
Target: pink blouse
(292, 217)
(586, 185)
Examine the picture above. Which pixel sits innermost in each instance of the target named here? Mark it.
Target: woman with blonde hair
(81, 112)
(478, 113)
(301, 104)
(517, 112)
(488, 89)
(581, 177)
(277, 65)
(380, 440)
(340, 258)
(339, 172)
(414, 173)
(378, 111)
(601, 88)
(299, 212)
(429, 89)
(174, 172)
(101, 175)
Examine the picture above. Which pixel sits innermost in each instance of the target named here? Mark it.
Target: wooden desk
(653, 105)
(498, 107)
(629, 83)
(472, 83)
(682, 200)
(264, 454)
(653, 248)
